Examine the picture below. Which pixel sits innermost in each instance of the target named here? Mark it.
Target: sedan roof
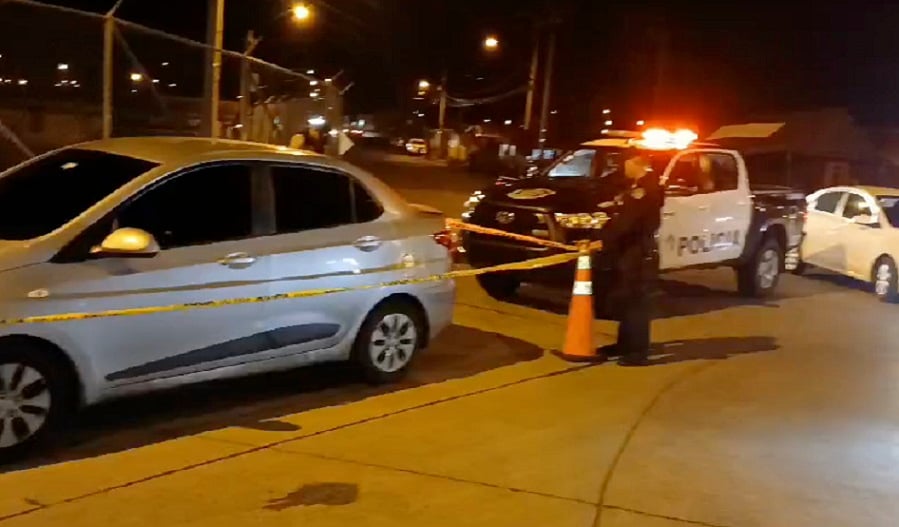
(166, 150)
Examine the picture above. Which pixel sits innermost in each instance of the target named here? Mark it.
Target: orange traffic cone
(579, 334)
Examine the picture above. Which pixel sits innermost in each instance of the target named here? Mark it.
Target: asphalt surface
(776, 413)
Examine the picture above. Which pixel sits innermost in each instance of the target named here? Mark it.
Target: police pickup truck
(713, 216)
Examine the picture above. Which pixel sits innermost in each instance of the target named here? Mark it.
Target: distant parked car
(854, 231)
(132, 223)
(418, 147)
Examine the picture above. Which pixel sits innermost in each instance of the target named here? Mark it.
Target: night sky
(722, 60)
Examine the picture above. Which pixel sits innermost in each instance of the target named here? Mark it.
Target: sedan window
(42, 196)
(308, 198)
(206, 205)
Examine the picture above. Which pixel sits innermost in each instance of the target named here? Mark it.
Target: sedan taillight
(445, 238)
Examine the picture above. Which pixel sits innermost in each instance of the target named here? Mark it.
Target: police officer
(629, 244)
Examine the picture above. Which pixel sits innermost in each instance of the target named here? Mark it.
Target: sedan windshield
(45, 194)
(890, 207)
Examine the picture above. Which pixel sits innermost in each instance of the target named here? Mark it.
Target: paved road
(783, 413)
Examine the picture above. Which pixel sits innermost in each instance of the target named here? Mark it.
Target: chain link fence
(68, 76)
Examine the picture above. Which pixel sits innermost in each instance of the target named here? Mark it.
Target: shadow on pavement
(718, 348)
(838, 280)
(673, 298)
(258, 402)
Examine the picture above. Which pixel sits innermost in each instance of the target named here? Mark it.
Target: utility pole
(245, 80)
(547, 86)
(441, 120)
(108, 72)
(532, 82)
(214, 33)
(108, 67)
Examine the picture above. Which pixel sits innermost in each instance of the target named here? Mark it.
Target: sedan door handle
(667, 214)
(237, 260)
(702, 207)
(367, 243)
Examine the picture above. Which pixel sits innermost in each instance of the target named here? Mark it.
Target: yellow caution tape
(525, 265)
(462, 226)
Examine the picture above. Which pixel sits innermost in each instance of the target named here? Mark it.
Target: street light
(301, 12)
(491, 43)
(423, 84)
(62, 67)
(136, 77)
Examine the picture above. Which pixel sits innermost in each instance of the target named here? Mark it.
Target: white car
(132, 223)
(417, 147)
(854, 231)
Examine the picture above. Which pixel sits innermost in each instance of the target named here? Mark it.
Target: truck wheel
(758, 277)
(500, 286)
(886, 286)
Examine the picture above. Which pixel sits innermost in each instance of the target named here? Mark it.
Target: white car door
(204, 222)
(685, 215)
(820, 246)
(330, 234)
(862, 237)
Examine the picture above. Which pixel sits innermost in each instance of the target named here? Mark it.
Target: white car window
(890, 206)
(828, 202)
(856, 205)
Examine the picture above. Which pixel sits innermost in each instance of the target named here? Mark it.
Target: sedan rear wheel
(389, 340)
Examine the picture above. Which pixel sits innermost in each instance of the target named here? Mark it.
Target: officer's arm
(633, 207)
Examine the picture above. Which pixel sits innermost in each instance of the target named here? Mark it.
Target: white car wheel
(885, 280)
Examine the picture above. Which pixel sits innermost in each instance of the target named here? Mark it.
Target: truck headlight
(582, 220)
(471, 203)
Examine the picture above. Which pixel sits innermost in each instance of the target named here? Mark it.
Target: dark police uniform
(630, 259)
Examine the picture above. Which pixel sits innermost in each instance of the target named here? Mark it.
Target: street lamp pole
(215, 32)
(252, 42)
(108, 69)
(441, 120)
(547, 85)
(532, 82)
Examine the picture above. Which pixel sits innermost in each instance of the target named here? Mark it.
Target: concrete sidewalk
(743, 421)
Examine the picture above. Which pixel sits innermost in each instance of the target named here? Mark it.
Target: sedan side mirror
(127, 242)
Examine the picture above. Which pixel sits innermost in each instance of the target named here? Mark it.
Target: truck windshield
(600, 162)
(890, 206)
(39, 197)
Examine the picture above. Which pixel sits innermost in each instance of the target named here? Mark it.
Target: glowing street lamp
(491, 43)
(62, 67)
(136, 77)
(423, 85)
(301, 12)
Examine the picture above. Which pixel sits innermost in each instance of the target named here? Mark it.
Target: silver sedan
(134, 223)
